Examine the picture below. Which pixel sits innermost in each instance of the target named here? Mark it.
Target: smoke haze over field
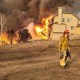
(24, 9)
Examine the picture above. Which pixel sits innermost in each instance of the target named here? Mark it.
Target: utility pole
(1, 26)
(1, 23)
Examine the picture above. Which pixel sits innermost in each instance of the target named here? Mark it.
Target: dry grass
(37, 61)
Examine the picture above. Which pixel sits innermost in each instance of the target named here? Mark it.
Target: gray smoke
(42, 8)
(35, 8)
(50, 6)
(75, 9)
(23, 9)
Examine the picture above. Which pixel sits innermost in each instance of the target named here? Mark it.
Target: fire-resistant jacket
(63, 43)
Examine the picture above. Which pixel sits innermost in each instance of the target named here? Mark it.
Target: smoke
(35, 8)
(43, 8)
(4, 8)
(23, 9)
(50, 6)
(13, 22)
(77, 8)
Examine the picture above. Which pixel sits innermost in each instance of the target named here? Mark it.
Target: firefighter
(64, 48)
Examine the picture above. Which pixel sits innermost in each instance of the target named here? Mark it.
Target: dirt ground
(38, 60)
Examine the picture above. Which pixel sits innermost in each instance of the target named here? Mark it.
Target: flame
(43, 30)
(39, 29)
(4, 39)
(40, 33)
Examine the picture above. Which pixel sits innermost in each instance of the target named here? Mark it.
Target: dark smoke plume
(33, 7)
(47, 6)
(23, 9)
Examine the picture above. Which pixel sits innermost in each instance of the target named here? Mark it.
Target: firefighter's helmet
(66, 32)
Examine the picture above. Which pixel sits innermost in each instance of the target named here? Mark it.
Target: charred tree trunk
(11, 34)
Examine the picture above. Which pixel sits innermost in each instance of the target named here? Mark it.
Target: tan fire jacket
(63, 43)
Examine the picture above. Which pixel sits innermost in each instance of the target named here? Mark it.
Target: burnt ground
(38, 60)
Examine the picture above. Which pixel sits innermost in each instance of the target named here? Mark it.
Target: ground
(38, 60)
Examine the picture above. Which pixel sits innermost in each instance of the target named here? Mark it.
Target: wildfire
(43, 30)
(39, 31)
(4, 39)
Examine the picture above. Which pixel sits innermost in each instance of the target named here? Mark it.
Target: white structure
(60, 15)
(64, 21)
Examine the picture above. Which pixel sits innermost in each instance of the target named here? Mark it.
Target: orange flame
(43, 31)
(5, 40)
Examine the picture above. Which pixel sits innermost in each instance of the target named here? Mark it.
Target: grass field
(38, 60)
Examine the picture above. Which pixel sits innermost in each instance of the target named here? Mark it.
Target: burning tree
(11, 34)
(44, 29)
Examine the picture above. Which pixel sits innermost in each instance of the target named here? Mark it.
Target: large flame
(43, 30)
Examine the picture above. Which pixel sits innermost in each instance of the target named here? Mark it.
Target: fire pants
(63, 59)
